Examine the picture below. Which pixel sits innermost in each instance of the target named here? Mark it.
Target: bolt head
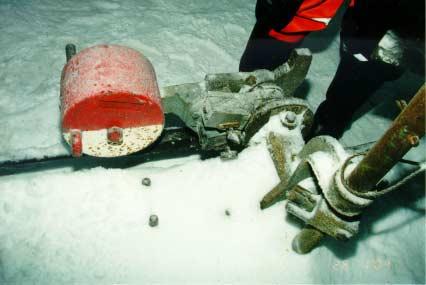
(115, 135)
(413, 140)
(290, 117)
(146, 181)
(153, 220)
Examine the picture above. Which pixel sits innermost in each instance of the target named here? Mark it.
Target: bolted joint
(76, 142)
(323, 218)
(289, 119)
(342, 199)
(413, 140)
(115, 135)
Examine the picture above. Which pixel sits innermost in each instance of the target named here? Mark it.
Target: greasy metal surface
(239, 102)
(394, 144)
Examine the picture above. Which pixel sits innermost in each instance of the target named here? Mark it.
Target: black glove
(276, 14)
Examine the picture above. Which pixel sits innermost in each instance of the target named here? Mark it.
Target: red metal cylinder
(110, 94)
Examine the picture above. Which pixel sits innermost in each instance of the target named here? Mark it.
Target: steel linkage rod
(405, 133)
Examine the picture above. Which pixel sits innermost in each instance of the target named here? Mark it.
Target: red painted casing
(109, 86)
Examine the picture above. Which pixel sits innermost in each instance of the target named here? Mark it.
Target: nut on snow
(146, 181)
(153, 220)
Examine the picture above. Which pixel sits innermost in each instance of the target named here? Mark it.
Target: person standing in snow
(282, 25)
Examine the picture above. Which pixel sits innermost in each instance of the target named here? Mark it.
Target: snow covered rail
(109, 98)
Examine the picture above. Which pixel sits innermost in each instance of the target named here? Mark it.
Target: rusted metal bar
(274, 196)
(307, 239)
(281, 155)
(299, 196)
(405, 133)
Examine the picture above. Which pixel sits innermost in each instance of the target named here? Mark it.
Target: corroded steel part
(310, 189)
(306, 240)
(226, 110)
(282, 150)
(330, 203)
(70, 51)
(403, 134)
(287, 76)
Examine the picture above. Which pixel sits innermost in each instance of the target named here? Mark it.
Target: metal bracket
(226, 110)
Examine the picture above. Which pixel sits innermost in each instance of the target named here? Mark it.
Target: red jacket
(313, 15)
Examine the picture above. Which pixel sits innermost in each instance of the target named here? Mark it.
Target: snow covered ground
(91, 226)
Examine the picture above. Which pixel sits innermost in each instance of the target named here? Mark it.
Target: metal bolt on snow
(153, 220)
(146, 181)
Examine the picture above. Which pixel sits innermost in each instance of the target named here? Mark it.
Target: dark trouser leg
(357, 76)
(264, 52)
(353, 83)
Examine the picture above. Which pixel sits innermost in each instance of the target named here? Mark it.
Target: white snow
(91, 226)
